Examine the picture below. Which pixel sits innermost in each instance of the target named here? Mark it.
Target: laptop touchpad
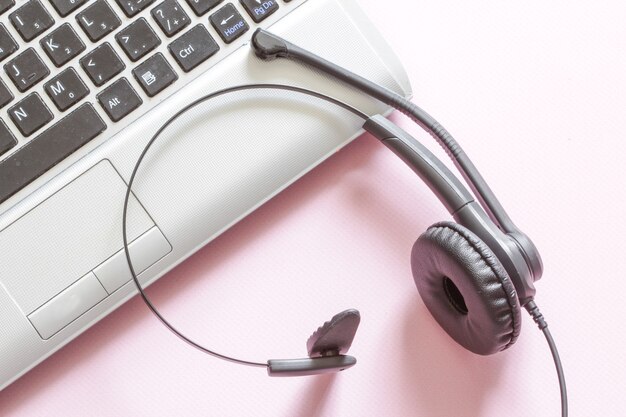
(48, 251)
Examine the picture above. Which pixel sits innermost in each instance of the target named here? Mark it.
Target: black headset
(474, 274)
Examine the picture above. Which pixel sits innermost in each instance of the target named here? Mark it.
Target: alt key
(119, 99)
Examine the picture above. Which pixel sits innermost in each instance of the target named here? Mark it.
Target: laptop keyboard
(65, 35)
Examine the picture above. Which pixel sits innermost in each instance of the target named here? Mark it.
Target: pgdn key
(259, 9)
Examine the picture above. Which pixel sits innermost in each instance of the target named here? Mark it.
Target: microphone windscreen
(335, 336)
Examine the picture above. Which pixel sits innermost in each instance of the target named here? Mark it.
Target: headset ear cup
(466, 288)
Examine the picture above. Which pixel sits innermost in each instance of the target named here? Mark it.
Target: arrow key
(137, 39)
(229, 23)
(62, 45)
(102, 64)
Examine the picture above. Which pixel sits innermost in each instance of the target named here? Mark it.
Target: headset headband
(450, 191)
(506, 246)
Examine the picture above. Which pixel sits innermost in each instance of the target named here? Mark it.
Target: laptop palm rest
(72, 258)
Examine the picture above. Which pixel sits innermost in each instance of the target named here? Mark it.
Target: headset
(474, 274)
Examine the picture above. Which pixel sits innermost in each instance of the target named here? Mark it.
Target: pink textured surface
(536, 93)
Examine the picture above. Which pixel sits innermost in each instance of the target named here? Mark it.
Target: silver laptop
(85, 83)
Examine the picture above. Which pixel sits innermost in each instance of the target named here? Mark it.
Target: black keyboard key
(229, 23)
(66, 89)
(102, 64)
(193, 48)
(7, 43)
(132, 7)
(200, 7)
(26, 69)
(62, 45)
(98, 20)
(170, 17)
(31, 20)
(48, 149)
(259, 9)
(154, 74)
(5, 95)
(6, 5)
(65, 7)
(137, 39)
(7, 140)
(30, 114)
(119, 99)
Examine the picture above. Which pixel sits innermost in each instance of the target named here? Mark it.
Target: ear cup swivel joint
(471, 275)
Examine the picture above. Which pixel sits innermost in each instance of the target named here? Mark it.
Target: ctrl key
(193, 48)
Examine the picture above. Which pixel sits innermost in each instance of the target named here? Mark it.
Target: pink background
(536, 93)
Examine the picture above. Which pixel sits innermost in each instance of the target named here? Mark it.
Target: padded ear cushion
(466, 288)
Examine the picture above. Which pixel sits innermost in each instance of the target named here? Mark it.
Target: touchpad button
(67, 236)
